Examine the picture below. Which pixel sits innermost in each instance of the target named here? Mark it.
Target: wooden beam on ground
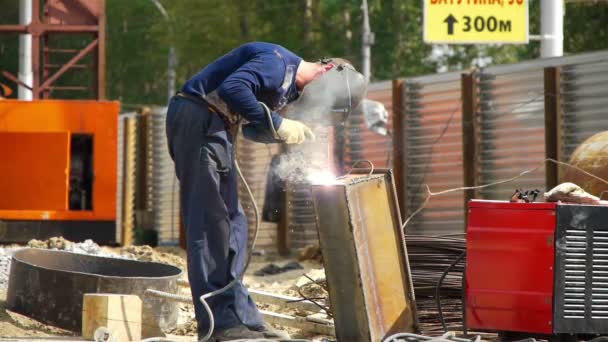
(298, 323)
(282, 300)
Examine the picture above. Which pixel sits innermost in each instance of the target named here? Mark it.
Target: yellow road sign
(475, 21)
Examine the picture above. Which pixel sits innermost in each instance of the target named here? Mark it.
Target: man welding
(242, 84)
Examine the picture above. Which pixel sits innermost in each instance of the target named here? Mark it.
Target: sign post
(476, 21)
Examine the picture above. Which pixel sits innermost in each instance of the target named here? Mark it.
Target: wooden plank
(121, 314)
(297, 322)
(282, 300)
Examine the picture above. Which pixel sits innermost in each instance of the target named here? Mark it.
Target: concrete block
(121, 314)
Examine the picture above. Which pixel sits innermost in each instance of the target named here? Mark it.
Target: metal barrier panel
(128, 165)
(360, 143)
(584, 102)
(300, 220)
(255, 160)
(511, 126)
(163, 183)
(433, 152)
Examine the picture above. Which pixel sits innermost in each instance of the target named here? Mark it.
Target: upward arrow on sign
(450, 20)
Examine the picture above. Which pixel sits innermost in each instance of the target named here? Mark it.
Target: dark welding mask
(329, 99)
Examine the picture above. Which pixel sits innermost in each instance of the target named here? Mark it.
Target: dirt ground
(15, 325)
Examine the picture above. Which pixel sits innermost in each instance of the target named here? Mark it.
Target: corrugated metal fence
(452, 130)
(360, 143)
(514, 117)
(433, 151)
(511, 128)
(584, 101)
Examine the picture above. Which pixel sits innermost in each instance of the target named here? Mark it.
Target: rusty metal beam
(365, 256)
(552, 124)
(14, 28)
(35, 49)
(75, 66)
(13, 78)
(399, 143)
(101, 52)
(69, 64)
(61, 17)
(79, 88)
(469, 141)
(49, 28)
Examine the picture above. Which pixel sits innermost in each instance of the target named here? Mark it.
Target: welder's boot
(270, 332)
(239, 332)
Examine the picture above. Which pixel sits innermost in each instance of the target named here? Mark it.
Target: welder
(250, 83)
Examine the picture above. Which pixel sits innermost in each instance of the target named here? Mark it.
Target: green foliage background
(202, 30)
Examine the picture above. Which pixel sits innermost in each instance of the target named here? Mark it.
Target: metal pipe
(172, 56)
(552, 28)
(368, 41)
(25, 51)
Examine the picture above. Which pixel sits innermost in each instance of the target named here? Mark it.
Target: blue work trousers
(216, 226)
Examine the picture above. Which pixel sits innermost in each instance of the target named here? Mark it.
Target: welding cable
(270, 123)
(355, 164)
(447, 337)
(463, 283)
(438, 287)
(170, 296)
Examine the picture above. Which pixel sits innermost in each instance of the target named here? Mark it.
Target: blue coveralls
(201, 147)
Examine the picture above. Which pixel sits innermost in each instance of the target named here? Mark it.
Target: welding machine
(537, 268)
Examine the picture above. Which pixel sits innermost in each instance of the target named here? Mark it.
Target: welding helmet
(329, 99)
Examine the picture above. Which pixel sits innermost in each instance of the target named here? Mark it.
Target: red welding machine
(538, 268)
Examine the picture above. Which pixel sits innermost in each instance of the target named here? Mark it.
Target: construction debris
(87, 247)
(147, 253)
(571, 193)
(275, 269)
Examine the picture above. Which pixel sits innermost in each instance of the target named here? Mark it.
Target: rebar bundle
(431, 258)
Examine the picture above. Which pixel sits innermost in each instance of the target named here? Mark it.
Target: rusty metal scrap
(365, 257)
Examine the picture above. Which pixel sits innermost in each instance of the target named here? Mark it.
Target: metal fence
(482, 126)
(255, 161)
(163, 186)
(584, 101)
(127, 169)
(511, 128)
(432, 115)
(360, 143)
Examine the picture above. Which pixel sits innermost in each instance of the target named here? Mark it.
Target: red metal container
(510, 266)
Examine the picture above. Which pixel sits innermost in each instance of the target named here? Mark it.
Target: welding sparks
(321, 177)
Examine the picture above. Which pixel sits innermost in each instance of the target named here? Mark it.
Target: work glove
(294, 132)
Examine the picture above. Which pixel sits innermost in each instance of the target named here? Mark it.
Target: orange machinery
(58, 173)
